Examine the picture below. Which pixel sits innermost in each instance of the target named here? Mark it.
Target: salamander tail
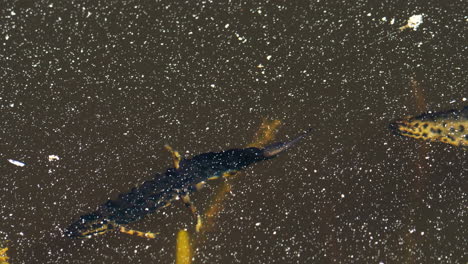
(277, 148)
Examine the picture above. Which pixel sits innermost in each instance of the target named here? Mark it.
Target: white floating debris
(226, 26)
(17, 163)
(53, 157)
(257, 224)
(260, 66)
(269, 57)
(240, 38)
(413, 22)
(392, 21)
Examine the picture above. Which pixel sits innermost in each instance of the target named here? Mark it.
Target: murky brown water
(104, 86)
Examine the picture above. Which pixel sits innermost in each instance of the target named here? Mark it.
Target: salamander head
(417, 128)
(89, 225)
(275, 149)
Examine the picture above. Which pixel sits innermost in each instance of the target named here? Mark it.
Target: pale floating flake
(240, 38)
(413, 22)
(17, 163)
(53, 157)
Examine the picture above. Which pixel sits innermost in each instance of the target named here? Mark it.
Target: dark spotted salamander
(187, 176)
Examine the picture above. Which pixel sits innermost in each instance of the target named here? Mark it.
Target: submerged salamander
(449, 127)
(187, 176)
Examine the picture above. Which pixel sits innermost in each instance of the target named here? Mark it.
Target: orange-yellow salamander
(449, 127)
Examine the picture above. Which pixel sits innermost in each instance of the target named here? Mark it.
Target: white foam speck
(17, 163)
(53, 157)
(415, 21)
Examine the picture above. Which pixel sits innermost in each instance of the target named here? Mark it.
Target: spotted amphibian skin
(449, 127)
(187, 176)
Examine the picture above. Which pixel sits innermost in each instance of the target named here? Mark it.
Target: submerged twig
(184, 250)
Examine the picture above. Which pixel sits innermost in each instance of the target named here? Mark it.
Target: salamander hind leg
(193, 209)
(137, 233)
(176, 158)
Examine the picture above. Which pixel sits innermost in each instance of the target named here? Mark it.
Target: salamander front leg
(176, 158)
(193, 209)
